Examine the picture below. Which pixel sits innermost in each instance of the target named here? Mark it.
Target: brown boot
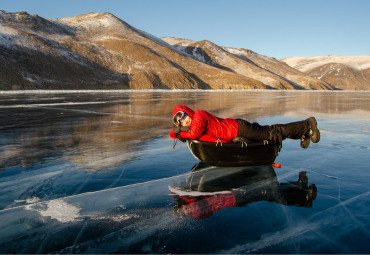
(305, 141)
(314, 133)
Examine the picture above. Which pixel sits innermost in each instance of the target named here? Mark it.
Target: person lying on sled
(202, 125)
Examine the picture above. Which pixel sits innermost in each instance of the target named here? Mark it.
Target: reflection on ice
(123, 219)
(70, 220)
(90, 173)
(96, 128)
(330, 226)
(210, 189)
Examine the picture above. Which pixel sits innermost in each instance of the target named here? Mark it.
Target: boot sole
(315, 135)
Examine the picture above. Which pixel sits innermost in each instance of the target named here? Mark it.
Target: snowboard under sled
(234, 154)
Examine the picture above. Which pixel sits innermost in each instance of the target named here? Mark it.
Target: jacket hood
(183, 108)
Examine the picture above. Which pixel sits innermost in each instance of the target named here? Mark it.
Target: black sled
(234, 154)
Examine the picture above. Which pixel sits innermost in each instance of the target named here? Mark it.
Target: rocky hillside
(39, 53)
(100, 51)
(342, 72)
(269, 71)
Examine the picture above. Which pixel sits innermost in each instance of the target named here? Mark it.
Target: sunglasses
(178, 117)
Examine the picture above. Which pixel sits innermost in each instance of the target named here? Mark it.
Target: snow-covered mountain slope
(343, 72)
(305, 64)
(40, 53)
(269, 71)
(98, 51)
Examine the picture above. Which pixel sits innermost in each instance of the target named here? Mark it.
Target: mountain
(269, 71)
(39, 53)
(342, 72)
(100, 51)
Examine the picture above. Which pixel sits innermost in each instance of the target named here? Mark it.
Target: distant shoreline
(45, 91)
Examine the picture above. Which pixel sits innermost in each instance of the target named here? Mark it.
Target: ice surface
(95, 172)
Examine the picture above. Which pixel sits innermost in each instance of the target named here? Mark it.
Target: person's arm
(198, 126)
(175, 131)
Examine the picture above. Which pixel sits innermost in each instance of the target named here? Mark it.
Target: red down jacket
(207, 127)
(204, 206)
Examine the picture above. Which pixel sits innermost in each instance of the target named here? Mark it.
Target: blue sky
(276, 28)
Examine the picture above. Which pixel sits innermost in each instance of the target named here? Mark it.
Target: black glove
(178, 129)
(181, 139)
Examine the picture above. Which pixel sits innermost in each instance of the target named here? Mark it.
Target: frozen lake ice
(95, 172)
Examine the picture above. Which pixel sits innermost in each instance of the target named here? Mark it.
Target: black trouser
(256, 132)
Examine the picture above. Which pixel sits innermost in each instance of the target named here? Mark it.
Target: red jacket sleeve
(172, 134)
(198, 125)
(204, 207)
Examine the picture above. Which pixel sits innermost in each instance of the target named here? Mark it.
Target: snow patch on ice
(59, 210)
